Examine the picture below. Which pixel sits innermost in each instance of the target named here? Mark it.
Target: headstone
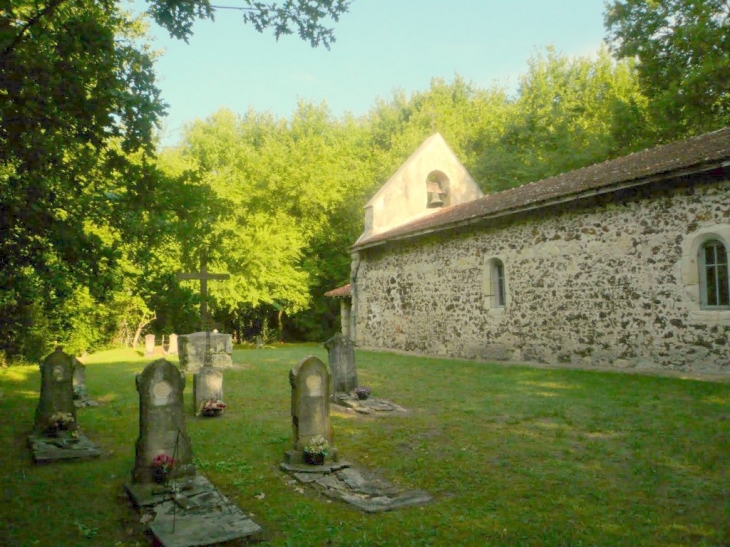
(57, 393)
(342, 363)
(310, 407)
(207, 385)
(64, 441)
(193, 348)
(149, 345)
(172, 349)
(189, 510)
(259, 341)
(81, 396)
(161, 422)
(79, 380)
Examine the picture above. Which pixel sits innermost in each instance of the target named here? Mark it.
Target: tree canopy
(78, 110)
(94, 223)
(683, 62)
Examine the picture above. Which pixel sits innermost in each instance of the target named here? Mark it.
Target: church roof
(340, 292)
(697, 154)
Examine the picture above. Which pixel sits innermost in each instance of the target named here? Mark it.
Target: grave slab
(372, 406)
(53, 449)
(195, 513)
(357, 486)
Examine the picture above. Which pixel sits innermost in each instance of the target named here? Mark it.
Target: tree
(682, 51)
(470, 120)
(569, 113)
(78, 110)
(293, 190)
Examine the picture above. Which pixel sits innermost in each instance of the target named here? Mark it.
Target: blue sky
(381, 45)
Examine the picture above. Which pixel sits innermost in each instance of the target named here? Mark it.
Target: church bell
(434, 200)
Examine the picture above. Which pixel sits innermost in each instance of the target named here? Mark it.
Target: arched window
(498, 291)
(714, 286)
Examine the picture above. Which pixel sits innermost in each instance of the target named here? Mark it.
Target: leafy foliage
(569, 113)
(83, 206)
(682, 50)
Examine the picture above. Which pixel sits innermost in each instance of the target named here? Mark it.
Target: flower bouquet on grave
(316, 450)
(162, 465)
(59, 421)
(212, 407)
(362, 392)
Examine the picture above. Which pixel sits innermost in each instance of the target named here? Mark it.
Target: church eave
(402, 232)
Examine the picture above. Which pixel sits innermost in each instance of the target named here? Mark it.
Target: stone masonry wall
(594, 283)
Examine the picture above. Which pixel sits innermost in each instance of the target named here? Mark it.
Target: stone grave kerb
(310, 407)
(57, 392)
(161, 422)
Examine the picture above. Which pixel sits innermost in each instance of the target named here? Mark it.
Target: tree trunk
(142, 324)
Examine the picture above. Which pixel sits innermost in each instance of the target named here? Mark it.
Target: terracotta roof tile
(671, 159)
(340, 292)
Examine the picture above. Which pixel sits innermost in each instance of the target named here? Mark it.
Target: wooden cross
(203, 276)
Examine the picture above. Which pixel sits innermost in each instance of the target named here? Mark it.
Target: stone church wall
(603, 282)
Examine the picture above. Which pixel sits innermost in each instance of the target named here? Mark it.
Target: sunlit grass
(513, 456)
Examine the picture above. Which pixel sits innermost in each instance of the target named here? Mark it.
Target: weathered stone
(605, 281)
(57, 394)
(172, 345)
(199, 514)
(310, 386)
(161, 421)
(207, 385)
(79, 380)
(48, 443)
(65, 447)
(361, 488)
(371, 405)
(149, 345)
(341, 353)
(193, 347)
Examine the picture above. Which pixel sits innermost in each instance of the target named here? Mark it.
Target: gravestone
(259, 341)
(341, 353)
(149, 345)
(310, 407)
(189, 511)
(207, 385)
(193, 348)
(81, 396)
(57, 393)
(57, 399)
(172, 349)
(161, 422)
(79, 380)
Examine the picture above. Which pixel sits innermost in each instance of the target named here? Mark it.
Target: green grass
(513, 456)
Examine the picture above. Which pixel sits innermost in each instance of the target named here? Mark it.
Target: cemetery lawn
(512, 455)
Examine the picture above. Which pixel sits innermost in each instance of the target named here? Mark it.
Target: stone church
(622, 264)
